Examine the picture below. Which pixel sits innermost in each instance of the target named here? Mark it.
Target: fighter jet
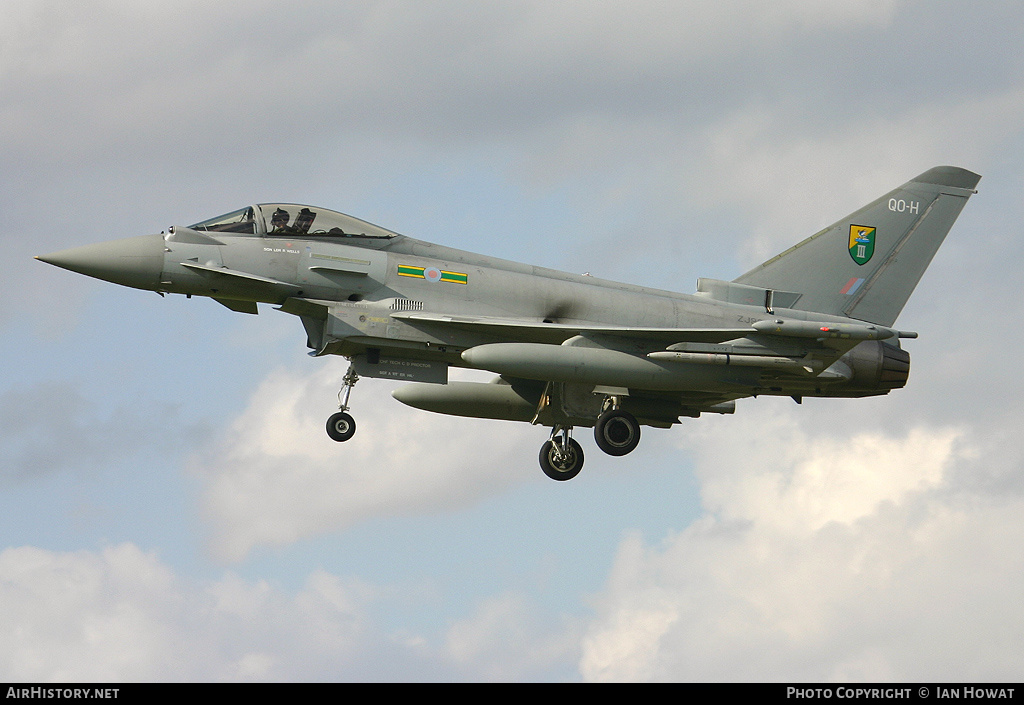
(568, 350)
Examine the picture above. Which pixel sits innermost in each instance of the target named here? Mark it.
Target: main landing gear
(341, 426)
(617, 432)
(561, 457)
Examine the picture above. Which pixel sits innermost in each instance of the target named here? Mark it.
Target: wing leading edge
(519, 328)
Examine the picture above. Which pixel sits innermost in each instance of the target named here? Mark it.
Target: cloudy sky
(171, 509)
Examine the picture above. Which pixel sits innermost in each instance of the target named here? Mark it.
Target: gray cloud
(187, 81)
(52, 427)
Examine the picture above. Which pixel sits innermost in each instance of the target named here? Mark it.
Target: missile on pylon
(601, 366)
(788, 364)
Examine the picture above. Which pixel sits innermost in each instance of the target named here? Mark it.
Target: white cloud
(507, 636)
(274, 477)
(847, 555)
(120, 614)
(73, 617)
(807, 566)
(788, 477)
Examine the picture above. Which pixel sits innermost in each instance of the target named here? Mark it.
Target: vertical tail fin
(867, 265)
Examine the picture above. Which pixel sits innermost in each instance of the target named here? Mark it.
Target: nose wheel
(341, 426)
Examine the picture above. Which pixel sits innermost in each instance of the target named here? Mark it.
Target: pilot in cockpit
(279, 220)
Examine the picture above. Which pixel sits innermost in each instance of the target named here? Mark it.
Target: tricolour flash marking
(432, 274)
(851, 286)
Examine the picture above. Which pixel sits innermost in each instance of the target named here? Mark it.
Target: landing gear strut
(341, 426)
(617, 432)
(561, 458)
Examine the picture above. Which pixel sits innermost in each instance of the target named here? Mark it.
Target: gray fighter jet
(569, 350)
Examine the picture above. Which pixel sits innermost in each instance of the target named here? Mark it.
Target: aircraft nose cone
(135, 261)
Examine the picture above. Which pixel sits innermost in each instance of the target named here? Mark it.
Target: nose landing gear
(341, 426)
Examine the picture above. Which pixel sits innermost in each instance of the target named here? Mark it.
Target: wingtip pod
(952, 176)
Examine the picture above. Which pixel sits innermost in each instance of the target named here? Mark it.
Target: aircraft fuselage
(569, 349)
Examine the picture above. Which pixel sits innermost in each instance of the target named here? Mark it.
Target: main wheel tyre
(617, 432)
(341, 426)
(565, 467)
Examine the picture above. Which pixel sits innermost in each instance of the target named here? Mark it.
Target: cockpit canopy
(293, 220)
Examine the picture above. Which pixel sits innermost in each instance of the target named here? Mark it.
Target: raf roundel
(432, 274)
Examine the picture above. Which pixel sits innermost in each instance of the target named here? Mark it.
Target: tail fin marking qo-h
(867, 265)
